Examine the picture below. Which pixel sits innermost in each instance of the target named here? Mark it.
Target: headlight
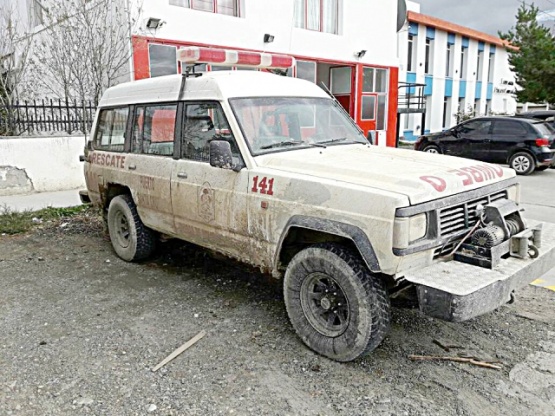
(408, 230)
(513, 193)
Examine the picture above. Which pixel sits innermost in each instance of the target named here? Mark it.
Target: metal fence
(46, 117)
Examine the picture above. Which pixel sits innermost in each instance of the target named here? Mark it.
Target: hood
(420, 176)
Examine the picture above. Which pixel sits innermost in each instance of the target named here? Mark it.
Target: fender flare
(351, 232)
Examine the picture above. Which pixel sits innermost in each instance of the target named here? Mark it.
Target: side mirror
(221, 156)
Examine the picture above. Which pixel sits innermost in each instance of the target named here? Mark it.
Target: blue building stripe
(462, 89)
(465, 42)
(478, 90)
(430, 33)
(448, 87)
(429, 85)
(481, 46)
(490, 91)
(492, 49)
(451, 38)
(413, 29)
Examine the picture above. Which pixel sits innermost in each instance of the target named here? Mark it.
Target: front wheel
(523, 163)
(131, 239)
(337, 307)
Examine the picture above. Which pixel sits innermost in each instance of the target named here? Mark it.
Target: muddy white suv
(269, 170)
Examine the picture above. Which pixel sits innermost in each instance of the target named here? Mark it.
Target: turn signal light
(542, 142)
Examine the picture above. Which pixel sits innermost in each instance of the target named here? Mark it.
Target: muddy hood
(420, 176)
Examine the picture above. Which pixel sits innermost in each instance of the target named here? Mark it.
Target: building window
(36, 12)
(463, 61)
(446, 115)
(227, 7)
(491, 67)
(410, 55)
(317, 15)
(306, 70)
(428, 57)
(374, 96)
(479, 66)
(163, 60)
(448, 61)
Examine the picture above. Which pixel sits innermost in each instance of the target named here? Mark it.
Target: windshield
(276, 124)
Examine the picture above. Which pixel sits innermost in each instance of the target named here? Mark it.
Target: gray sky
(488, 16)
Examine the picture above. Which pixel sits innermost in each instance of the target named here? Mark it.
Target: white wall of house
(363, 25)
(40, 164)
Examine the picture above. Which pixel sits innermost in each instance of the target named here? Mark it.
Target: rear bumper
(456, 291)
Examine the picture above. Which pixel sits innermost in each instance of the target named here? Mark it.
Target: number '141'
(265, 186)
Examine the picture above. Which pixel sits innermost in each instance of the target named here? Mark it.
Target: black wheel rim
(121, 226)
(325, 305)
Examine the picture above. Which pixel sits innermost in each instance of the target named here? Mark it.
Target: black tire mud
(337, 307)
(523, 163)
(130, 238)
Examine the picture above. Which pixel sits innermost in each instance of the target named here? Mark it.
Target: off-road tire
(431, 148)
(367, 299)
(523, 163)
(130, 238)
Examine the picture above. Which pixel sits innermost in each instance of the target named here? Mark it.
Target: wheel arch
(302, 231)
(110, 191)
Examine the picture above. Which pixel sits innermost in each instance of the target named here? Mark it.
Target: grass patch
(17, 222)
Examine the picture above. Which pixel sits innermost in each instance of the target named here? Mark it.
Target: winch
(499, 233)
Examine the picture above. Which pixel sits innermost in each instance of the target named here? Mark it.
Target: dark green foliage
(533, 59)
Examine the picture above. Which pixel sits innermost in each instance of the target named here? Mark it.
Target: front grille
(459, 218)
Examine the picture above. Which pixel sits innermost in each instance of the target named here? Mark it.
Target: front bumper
(456, 291)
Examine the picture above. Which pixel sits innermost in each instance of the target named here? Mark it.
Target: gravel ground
(81, 331)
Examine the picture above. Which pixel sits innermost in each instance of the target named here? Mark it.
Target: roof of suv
(219, 85)
(509, 118)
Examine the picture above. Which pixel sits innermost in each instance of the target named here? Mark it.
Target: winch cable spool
(488, 237)
(513, 225)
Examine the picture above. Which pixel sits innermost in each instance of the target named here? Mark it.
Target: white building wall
(364, 25)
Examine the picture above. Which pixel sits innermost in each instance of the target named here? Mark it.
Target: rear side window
(544, 129)
(110, 130)
(154, 129)
(509, 128)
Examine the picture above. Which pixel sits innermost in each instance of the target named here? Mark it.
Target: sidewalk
(36, 201)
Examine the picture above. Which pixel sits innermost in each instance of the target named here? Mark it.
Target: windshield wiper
(280, 144)
(340, 139)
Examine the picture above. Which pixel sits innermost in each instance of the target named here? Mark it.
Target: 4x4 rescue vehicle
(271, 171)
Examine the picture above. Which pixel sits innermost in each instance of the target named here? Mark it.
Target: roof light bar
(195, 55)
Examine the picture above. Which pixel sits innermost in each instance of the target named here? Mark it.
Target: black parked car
(524, 144)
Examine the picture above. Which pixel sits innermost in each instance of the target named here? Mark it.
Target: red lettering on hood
(439, 184)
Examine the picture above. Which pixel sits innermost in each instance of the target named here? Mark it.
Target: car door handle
(182, 175)
(132, 167)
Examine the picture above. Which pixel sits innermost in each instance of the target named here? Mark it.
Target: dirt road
(81, 330)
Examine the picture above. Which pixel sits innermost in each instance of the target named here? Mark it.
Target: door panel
(209, 203)
(506, 135)
(470, 140)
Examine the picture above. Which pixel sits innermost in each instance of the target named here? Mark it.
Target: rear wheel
(523, 163)
(337, 307)
(131, 239)
(431, 148)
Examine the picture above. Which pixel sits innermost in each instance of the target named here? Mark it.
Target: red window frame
(215, 7)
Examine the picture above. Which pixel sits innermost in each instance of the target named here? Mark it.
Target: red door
(373, 102)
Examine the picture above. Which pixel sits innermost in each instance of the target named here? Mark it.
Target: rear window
(544, 129)
(110, 130)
